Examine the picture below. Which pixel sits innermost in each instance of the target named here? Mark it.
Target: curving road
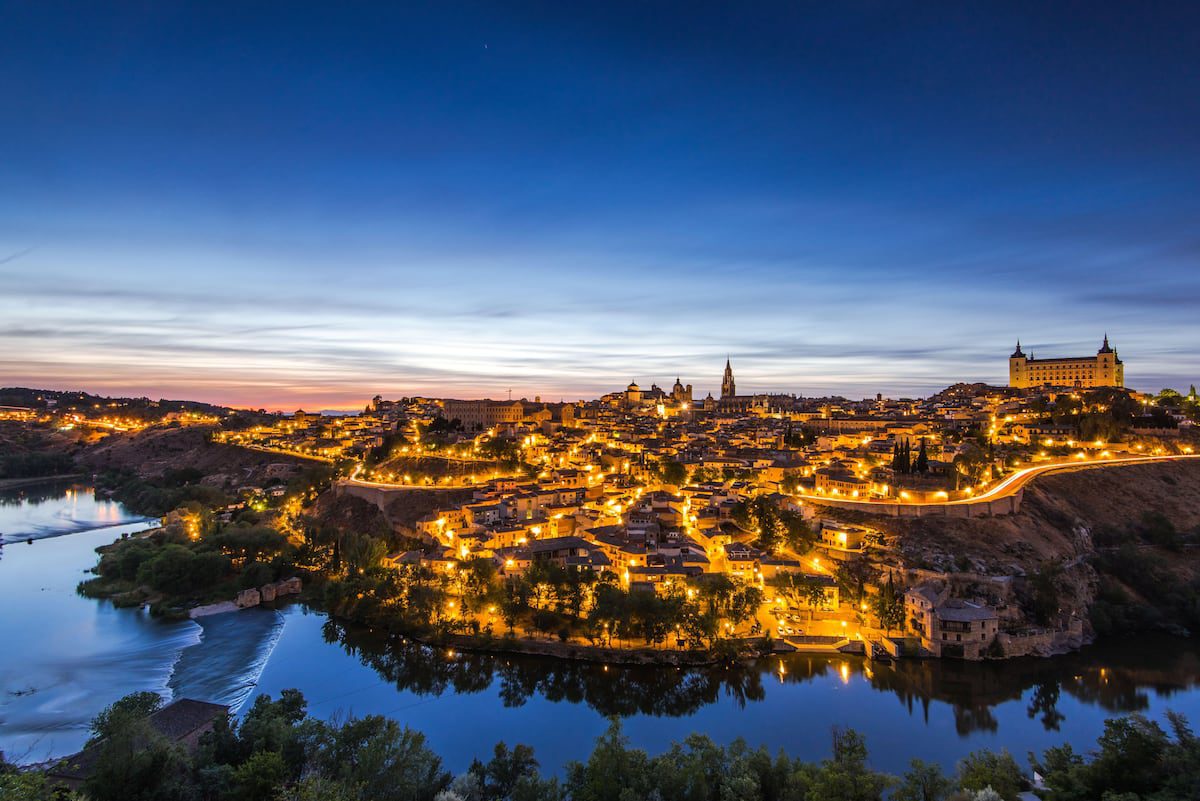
(1014, 483)
(387, 485)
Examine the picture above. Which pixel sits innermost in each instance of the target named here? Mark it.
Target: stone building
(950, 627)
(476, 415)
(1105, 369)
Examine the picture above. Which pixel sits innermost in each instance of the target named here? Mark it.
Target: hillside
(401, 509)
(1058, 514)
(1118, 549)
(153, 452)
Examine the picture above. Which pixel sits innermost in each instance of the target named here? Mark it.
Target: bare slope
(1058, 514)
(152, 452)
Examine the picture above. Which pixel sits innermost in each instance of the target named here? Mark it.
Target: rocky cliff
(1117, 549)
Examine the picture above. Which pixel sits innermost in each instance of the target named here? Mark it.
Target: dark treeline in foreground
(279, 752)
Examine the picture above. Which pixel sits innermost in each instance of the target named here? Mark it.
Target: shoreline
(572, 652)
(17, 483)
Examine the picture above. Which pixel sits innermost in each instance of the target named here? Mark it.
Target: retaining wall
(1000, 506)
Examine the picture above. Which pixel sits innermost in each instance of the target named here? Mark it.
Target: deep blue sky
(292, 204)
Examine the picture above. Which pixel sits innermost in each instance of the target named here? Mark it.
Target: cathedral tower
(728, 389)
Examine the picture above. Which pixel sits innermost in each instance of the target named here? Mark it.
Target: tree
(798, 534)
(922, 464)
(1136, 759)
(924, 781)
(361, 551)
(902, 458)
(259, 776)
(177, 569)
(1130, 757)
(16, 785)
(847, 777)
(813, 592)
(889, 606)
(509, 774)
(774, 525)
(274, 726)
(133, 762)
(248, 543)
(971, 462)
(545, 621)
(613, 772)
(385, 761)
(125, 558)
(852, 575)
(999, 771)
(1044, 590)
(135, 706)
(1099, 426)
(673, 472)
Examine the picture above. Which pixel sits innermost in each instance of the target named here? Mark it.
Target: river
(69, 656)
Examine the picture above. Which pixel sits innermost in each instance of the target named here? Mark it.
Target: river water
(68, 657)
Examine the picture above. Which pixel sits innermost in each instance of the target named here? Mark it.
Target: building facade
(1105, 369)
(950, 627)
(681, 394)
(479, 414)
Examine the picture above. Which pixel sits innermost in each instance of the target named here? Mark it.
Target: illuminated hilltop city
(653, 484)
(658, 489)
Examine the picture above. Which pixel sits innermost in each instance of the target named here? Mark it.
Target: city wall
(379, 496)
(1007, 505)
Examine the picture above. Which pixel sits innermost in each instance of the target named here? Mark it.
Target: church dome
(633, 387)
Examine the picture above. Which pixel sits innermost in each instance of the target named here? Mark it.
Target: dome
(633, 387)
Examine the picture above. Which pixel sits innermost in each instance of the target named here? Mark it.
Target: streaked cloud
(311, 209)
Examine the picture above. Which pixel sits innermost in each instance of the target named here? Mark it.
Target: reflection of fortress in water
(1119, 679)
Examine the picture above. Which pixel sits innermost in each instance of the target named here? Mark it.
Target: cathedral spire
(728, 388)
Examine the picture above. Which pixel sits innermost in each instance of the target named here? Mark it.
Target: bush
(176, 568)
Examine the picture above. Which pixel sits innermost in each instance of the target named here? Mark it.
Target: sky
(290, 204)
